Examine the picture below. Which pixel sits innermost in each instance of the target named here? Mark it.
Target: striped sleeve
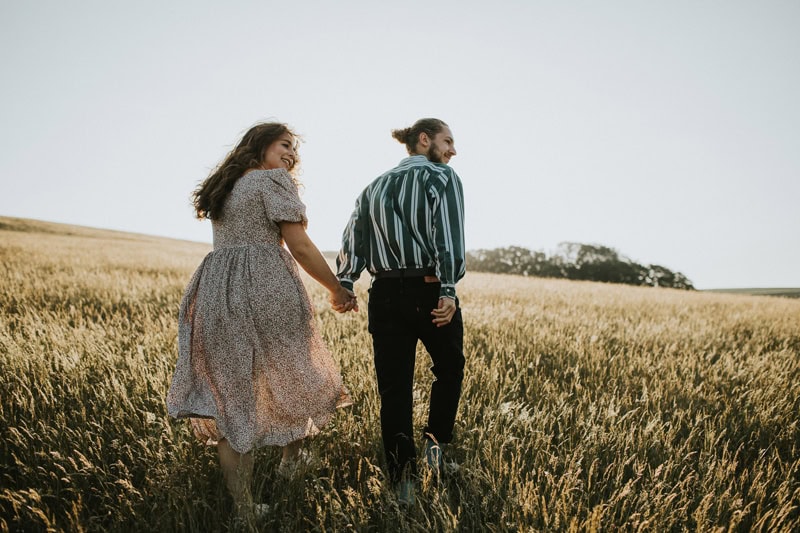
(448, 230)
(351, 260)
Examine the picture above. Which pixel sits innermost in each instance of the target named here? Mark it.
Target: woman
(252, 368)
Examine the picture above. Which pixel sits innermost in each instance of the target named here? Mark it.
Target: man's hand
(444, 313)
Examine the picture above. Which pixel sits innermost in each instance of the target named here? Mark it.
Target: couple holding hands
(253, 369)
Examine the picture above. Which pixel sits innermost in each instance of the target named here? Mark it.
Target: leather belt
(405, 273)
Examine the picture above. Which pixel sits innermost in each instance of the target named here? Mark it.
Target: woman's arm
(308, 256)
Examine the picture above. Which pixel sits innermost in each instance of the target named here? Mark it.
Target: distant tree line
(576, 261)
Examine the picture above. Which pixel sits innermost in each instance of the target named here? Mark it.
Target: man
(407, 230)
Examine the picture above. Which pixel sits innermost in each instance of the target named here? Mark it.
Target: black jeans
(399, 315)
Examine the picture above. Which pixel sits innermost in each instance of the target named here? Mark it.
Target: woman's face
(280, 154)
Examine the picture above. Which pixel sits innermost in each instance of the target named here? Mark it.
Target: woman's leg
(293, 458)
(291, 452)
(237, 468)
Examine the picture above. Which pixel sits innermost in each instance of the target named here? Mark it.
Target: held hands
(444, 313)
(343, 300)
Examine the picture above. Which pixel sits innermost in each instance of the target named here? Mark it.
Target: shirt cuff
(447, 291)
(346, 283)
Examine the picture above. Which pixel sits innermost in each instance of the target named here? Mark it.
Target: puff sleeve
(281, 199)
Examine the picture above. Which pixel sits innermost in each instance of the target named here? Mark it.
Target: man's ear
(423, 140)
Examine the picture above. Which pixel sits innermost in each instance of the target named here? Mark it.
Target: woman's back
(259, 200)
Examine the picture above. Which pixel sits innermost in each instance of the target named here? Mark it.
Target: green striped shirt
(410, 217)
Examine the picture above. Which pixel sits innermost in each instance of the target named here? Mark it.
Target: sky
(667, 130)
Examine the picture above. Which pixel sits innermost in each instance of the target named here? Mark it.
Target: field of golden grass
(586, 407)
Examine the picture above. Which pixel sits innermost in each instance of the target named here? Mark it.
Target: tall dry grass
(586, 407)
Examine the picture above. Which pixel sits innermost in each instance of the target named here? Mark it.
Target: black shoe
(406, 492)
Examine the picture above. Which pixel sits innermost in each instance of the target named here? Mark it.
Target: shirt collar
(414, 159)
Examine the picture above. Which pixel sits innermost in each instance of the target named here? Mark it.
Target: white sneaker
(261, 510)
(248, 515)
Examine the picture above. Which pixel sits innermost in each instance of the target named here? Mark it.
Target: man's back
(410, 217)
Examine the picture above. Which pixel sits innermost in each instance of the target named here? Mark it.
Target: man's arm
(351, 260)
(448, 232)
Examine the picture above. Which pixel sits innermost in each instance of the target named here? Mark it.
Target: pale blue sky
(667, 130)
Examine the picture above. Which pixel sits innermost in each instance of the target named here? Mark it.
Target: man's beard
(434, 155)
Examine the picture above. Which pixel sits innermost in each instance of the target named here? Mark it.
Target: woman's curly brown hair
(209, 197)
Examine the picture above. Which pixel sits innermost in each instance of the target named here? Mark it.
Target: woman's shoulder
(272, 173)
(277, 175)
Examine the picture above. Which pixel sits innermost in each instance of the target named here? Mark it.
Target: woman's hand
(343, 300)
